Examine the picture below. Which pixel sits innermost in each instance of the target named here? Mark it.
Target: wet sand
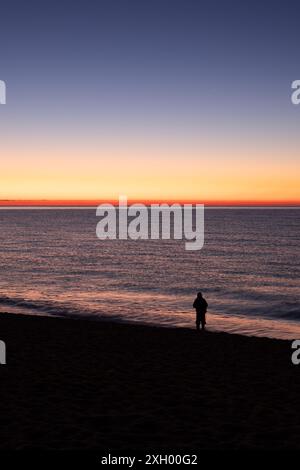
(72, 384)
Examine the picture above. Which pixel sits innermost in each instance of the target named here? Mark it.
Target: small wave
(291, 315)
(47, 308)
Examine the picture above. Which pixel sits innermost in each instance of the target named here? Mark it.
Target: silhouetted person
(200, 305)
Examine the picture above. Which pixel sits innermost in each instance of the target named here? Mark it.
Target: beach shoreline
(100, 385)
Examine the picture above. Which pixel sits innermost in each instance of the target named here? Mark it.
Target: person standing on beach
(200, 305)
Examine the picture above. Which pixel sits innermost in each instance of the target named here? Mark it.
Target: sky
(180, 100)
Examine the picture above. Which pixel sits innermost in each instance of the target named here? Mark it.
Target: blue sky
(209, 78)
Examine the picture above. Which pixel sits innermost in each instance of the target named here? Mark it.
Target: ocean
(52, 263)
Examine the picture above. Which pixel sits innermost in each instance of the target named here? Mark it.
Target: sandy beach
(72, 384)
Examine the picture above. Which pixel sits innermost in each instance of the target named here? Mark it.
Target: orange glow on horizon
(210, 174)
(94, 203)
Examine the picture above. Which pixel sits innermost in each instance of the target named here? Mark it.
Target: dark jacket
(200, 304)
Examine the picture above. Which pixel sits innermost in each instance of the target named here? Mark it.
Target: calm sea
(249, 271)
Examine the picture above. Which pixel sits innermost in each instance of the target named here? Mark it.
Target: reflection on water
(53, 264)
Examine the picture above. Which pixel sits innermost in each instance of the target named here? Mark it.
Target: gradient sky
(152, 99)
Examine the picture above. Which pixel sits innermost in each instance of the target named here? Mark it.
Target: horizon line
(146, 201)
